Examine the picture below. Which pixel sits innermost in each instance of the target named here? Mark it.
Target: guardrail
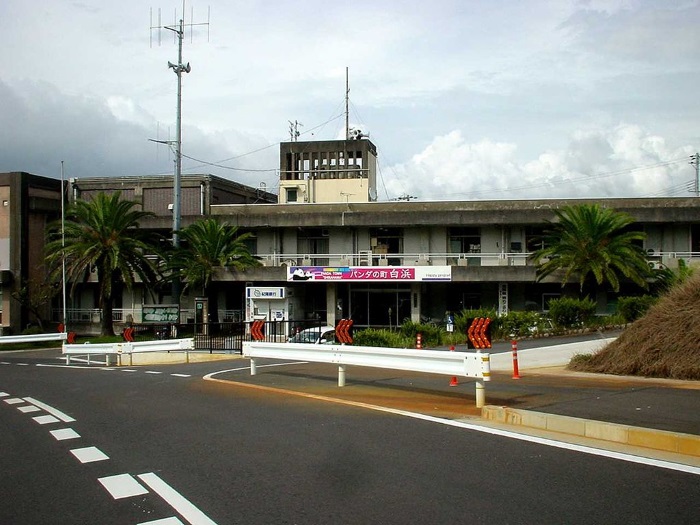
(34, 338)
(464, 364)
(120, 349)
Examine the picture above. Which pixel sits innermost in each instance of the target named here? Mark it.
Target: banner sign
(369, 273)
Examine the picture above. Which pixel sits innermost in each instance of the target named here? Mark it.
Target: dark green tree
(103, 235)
(206, 247)
(593, 245)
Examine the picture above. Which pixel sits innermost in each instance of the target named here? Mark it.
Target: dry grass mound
(663, 343)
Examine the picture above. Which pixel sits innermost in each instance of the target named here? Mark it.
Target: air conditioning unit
(656, 265)
(325, 232)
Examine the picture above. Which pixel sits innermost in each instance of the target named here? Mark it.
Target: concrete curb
(676, 442)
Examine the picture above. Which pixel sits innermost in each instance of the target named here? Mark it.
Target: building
(29, 204)
(328, 250)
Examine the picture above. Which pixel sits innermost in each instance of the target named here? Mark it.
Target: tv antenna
(294, 130)
(178, 29)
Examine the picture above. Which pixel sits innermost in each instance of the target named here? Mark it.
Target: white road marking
(28, 408)
(181, 375)
(51, 410)
(164, 521)
(122, 486)
(4, 394)
(64, 433)
(186, 509)
(14, 401)
(209, 376)
(152, 372)
(128, 370)
(89, 454)
(5, 363)
(476, 427)
(45, 420)
(22, 364)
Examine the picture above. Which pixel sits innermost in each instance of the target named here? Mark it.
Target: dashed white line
(28, 408)
(181, 375)
(183, 507)
(22, 364)
(152, 372)
(89, 454)
(14, 401)
(4, 394)
(51, 410)
(64, 433)
(122, 486)
(127, 370)
(45, 420)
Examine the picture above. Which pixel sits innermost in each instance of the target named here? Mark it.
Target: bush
(568, 312)
(632, 308)
(432, 335)
(519, 324)
(385, 338)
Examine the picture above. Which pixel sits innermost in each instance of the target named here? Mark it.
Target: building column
(331, 303)
(415, 302)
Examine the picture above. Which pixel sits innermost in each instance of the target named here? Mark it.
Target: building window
(463, 241)
(292, 194)
(384, 241)
(313, 242)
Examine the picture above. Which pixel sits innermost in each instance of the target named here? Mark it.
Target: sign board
(369, 273)
(161, 313)
(265, 292)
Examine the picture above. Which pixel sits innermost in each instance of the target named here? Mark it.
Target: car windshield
(311, 335)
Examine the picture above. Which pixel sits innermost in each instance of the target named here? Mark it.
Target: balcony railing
(369, 258)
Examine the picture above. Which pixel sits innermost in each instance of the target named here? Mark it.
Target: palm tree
(593, 244)
(103, 235)
(207, 246)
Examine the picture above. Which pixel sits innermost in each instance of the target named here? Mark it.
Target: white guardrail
(464, 364)
(119, 349)
(35, 338)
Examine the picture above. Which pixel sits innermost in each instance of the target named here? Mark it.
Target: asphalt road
(183, 450)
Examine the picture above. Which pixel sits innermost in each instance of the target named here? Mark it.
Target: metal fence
(224, 337)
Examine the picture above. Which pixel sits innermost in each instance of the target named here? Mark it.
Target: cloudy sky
(465, 99)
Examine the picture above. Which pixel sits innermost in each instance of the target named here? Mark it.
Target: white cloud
(625, 160)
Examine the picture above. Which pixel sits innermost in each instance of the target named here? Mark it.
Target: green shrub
(519, 324)
(632, 308)
(431, 334)
(385, 338)
(568, 312)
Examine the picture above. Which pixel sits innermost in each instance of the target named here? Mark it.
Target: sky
(464, 99)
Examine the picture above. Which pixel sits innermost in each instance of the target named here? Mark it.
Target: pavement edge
(663, 440)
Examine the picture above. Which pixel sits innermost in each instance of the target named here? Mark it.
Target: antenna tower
(178, 30)
(347, 103)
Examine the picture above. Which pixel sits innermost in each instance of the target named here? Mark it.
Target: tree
(595, 245)
(103, 234)
(207, 246)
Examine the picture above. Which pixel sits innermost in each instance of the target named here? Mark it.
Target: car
(320, 335)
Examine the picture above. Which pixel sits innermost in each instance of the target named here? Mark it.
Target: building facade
(328, 250)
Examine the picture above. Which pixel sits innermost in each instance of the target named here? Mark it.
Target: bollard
(341, 375)
(453, 381)
(419, 341)
(514, 347)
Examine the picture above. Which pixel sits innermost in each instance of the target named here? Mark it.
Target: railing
(464, 364)
(134, 315)
(370, 258)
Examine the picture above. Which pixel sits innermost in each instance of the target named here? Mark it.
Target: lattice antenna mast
(178, 29)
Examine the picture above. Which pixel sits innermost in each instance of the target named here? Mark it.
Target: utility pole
(695, 161)
(179, 68)
(347, 104)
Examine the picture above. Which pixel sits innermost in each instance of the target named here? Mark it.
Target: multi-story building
(29, 204)
(329, 251)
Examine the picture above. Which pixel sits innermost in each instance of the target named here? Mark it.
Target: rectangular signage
(369, 273)
(160, 313)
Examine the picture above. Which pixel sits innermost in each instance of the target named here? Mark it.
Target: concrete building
(28, 204)
(329, 251)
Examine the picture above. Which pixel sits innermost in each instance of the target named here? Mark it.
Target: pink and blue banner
(369, 273)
